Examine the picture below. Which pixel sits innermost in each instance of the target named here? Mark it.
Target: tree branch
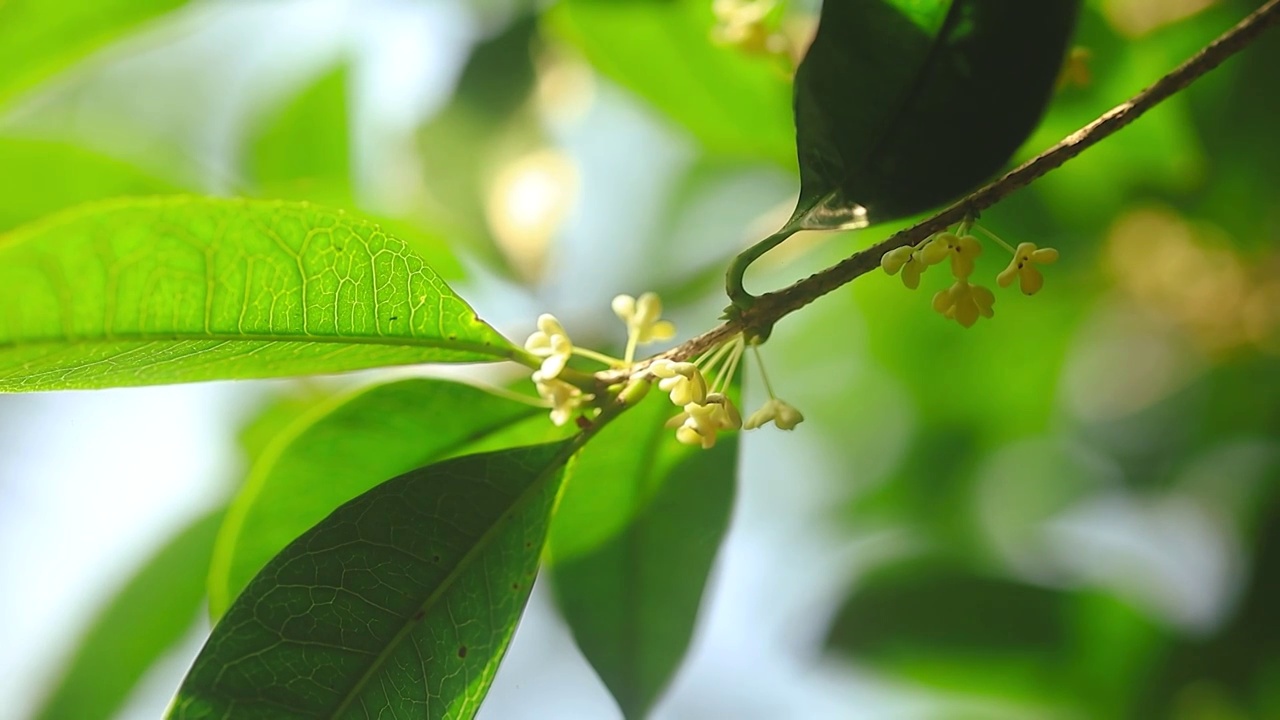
(771, 307)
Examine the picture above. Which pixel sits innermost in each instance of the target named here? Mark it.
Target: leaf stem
(755, 315)
(738, 295)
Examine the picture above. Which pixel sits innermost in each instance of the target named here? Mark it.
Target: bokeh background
(1068, 511)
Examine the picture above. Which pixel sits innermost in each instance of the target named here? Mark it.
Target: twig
(771, 307)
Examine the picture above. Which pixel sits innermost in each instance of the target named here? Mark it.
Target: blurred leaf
(38, 177)
(185, 289)
(615, 485)
(138, 625)
(904, 104)
(399, 604)
(631, 595)
(484, 127)
(953, 628)
(1160, 154)
(275, 415)
(354, 441)
(304, 151)
(1241, 662)
(1112, 651)
(40, 38)
(1235, 116)
(734, 104)
(932, 490)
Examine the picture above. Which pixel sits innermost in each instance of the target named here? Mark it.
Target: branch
(771, 307)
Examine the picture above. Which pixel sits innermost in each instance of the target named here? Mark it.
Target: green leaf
(733, 103)
(950, 627)
(182, 289)
(399, 604)
(144, 620)
(276, 413)
(38, 177)
(304, 151)
(632, 544)
(38, 38)
(901, 105)
(354, 442)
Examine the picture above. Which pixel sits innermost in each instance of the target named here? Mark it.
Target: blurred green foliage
(1143, 377)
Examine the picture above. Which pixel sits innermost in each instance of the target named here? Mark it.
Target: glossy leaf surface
(399, 604)
(150, 614)
(182, 289)
(902, 105)
(632, 545)
(354, 442)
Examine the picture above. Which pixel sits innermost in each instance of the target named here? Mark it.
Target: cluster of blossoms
(964, 301)
(705, 406)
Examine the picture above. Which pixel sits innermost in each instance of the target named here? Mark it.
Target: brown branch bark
(771, 307)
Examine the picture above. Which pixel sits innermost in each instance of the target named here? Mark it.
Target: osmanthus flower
(552, 343)
(1023, 267)
(908, 261)
(642, 318)
(565, 399)
(780, 412)
(700, 422)
(964, 303)
(683, 380)
(962, 250)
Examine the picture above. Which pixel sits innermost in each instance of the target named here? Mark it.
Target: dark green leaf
(904, 104)
(143, 621)
(633, 541)
(399, 604)
(950, 627)
(914, 608)
(39, 38)
(153, 291)
(354, 442)
(735, 104)
(1239, 661)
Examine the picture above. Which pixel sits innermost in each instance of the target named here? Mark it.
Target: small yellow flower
(962, 251)
(908, 261)
(780, 412)
(700, 422)
(552, 343)
(565, 399)
(1023, 266)
(936, 249)
(682, 380)
(963, 302)
(641, 316)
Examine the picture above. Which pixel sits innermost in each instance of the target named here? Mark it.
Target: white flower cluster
(705, 407)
